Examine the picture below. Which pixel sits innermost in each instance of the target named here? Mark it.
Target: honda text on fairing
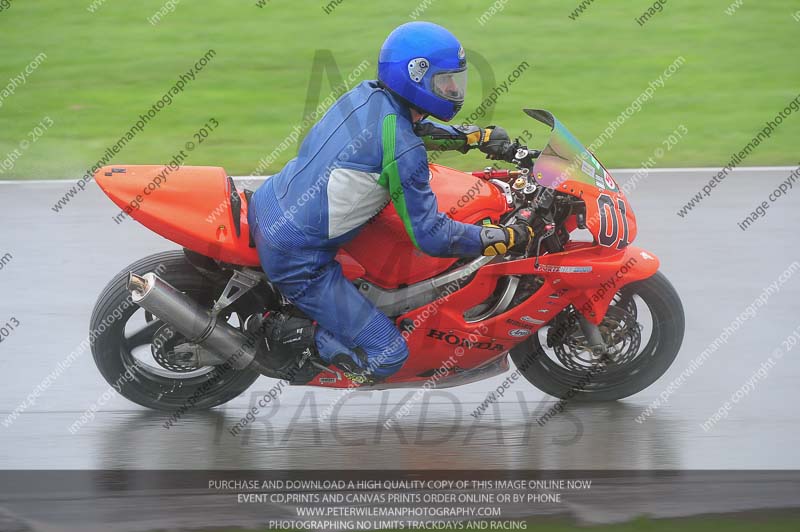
(582, 300)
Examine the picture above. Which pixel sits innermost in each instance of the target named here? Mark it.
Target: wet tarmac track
(56, 264)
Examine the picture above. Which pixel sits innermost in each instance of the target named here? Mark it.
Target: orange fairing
(189, 205)
(584, 275)
(567, 166)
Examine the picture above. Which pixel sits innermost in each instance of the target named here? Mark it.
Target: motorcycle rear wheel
(611, 382)
(118, 346)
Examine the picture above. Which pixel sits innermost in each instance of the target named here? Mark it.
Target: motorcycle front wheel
(643, 328)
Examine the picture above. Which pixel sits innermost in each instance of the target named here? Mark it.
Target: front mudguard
(599, 274)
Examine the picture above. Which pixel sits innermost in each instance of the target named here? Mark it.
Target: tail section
(197, 207)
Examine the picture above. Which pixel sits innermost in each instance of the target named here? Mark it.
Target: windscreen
(565, 159)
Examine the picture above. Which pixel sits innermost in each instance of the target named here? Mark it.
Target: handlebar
(514, 153)
(509, 151)
(519, 154)
(496, 173)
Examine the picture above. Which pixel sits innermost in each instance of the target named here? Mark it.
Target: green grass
(104, 68)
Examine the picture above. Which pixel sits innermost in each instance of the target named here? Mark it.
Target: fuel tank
(384, 248)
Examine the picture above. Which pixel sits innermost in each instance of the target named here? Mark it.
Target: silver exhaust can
(192, 320)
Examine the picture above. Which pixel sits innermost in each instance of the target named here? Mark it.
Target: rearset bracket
(241, 282)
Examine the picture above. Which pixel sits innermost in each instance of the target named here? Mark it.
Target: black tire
(650, 364)
(112, 351)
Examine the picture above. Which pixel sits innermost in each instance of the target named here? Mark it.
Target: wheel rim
(627, 305)
(137, 333)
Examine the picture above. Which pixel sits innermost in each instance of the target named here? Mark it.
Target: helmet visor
(450, 85)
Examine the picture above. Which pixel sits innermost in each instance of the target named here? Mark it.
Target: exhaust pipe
(192, 320)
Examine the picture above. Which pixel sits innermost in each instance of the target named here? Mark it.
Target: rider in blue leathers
(367, 151)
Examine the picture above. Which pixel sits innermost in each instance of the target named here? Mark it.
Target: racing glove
(494, 142)
(499, 240)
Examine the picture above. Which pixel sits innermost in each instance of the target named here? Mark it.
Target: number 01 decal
(609, 233)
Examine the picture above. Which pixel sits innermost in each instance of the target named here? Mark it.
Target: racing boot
(352, 371)
(350, 363)
(287, 349)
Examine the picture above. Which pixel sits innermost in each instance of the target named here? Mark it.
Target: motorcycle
(586, 318)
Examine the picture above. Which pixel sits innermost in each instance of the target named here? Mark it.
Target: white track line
(698, 170)
(705, 170)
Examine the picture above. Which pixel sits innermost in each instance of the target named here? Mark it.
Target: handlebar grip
(509, 150)
(525, 215)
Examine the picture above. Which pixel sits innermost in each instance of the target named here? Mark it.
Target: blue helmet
(424, 64)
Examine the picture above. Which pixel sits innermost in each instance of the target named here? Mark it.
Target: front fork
(594, 339)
